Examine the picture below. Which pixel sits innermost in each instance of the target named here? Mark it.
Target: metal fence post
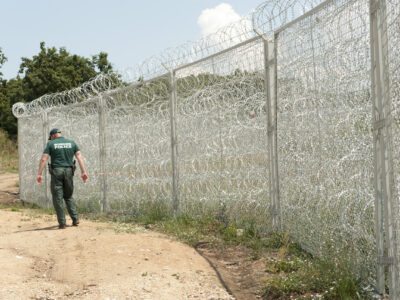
(271, 84)
(382, 134)
(174, 142)
(45, 132)
(102, 153)
(174, 139)
(20, 157)
(274, 106)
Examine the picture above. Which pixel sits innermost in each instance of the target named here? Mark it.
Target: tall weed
(8, 154)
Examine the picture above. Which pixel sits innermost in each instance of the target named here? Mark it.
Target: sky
(129, 31)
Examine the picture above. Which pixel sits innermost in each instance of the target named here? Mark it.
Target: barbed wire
(270, 12)
(96, 86)
(326, 154)
(271, 15)
(324, 130)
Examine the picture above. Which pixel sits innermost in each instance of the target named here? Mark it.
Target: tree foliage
(50, 71)
(55, 70)
(3, 59)
(10, 92)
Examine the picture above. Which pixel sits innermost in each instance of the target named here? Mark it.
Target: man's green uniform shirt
(61, 151)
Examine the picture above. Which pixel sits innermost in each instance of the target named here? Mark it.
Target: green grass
(88, 207)
(309, 279)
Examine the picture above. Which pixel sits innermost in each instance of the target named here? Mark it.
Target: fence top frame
(257, 37)
(216, 54)
(303, 16)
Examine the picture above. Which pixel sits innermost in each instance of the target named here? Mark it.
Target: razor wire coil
(324, 127)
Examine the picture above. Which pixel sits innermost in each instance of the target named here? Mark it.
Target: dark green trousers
(62, 188)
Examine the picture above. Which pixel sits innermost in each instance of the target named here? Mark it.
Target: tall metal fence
(286, 120)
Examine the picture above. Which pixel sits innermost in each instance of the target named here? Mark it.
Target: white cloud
(212, 19)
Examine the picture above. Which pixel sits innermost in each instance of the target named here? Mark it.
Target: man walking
(62, 152)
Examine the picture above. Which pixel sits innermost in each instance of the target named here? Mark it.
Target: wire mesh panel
(221, 123)
(31, 146)
(393, 33)
(324, 131)
(138, 146)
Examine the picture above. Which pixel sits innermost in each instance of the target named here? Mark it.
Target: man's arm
(42, 163)
(78, 156)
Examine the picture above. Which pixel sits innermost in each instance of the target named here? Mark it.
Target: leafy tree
(55, 70)
(11, 92)
(102, 63)
(50, 71)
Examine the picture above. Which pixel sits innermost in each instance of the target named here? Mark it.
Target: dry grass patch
(8, 154)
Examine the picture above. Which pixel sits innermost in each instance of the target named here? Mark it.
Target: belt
(55, 167)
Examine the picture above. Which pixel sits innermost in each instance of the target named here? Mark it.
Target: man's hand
(81, 165)
(39, 179)
(84, 177)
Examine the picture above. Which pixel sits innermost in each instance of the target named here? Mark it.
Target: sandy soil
(95, 260)
(110, 261)
(8, 183)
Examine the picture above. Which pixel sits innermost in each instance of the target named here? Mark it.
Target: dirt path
(8, 183)
(95, 261)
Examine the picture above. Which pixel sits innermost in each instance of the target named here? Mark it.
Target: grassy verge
(20, 205)
(8, 154)
(296, 275)
(290, 273)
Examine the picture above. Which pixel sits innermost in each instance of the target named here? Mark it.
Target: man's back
(61, 151)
